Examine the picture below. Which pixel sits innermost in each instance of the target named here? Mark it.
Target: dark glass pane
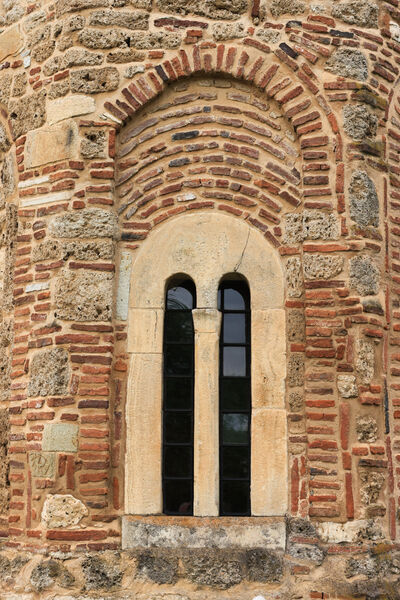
(235, 428)
(235, 394)
(178, 427)
(234, 328)
(178, 360)
(178, 392)
(235, 497)
(179, 298)
(233, 300)
(178, 326)
(234, 362)
(178, 497)
(235, 461)
(178, 461)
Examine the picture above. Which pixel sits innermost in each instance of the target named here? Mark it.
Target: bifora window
(178, 392)
(234, 398)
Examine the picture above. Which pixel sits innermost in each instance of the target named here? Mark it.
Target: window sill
(161, 531)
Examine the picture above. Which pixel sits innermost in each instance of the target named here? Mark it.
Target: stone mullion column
(207, 324)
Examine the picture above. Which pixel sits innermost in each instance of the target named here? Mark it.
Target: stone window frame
(205, 247)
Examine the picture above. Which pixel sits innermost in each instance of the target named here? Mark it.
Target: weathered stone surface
(65, 108)
(9, 568)
(161, 569)
(86, 223)
(46, 573)
(309, 552)
(43, 51)
(365, 360)
(364, 204)
(367, 429)
(347, 386)
(97, 38)
(43, 464)
(125, 56)
(58, 89)
(62, 510)
(264, 565)
(128, 20)
(47, 250)
(269, 35)
(60, 437)
(52, 143)
(93, 81)
(295, 376)
(89, 250)
(359, 122)
(212, 569)
(66, 6)
(350, 532)
(27, 113)
(287, 7)
(93, 145)
(4, 141)
(357, 12)
(228, 31)
(294, 277)
(147, 41)
(77, 57)
(310, 224)
(296, 326)
(372, 482)
(19, 84)
(101, 573)
(348, 62)
(84, 296)
(206, 8)
(364, 275)
(5, 88)
(317, 266)
(296, 401)
(10, 41)
(49, 372)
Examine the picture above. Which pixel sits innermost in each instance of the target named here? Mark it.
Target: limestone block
(294, 277)
(269, 484)
(359, 123)
(27, 113)
(228, 31)
(357, 12)
(7, 175)
(49, 144)
(124, 278)
(93, 81)
(143, 494)
(296, 401)
(348, 62)
(93, 145)
(101, 39)
(62, 510)
(268, 365)
(365, 360)
(372, 482)
(296, 369)
(4, 141)
(101, 250)
(347, 386)
(310, 224)
(318, 266)
(147, 41)
(10, 41)
(47, 250)
(72, 106)
(287, 7)
(60, 437)
(296, 325)
(364, 275)
(367, 429)
(145, 330)
(205, 8)
(43, 464)
(338, 533)
(86, 223)
(84, 296)
(128, 20)
(364, 204)
(49, 372)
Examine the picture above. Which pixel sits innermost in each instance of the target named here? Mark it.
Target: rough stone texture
(312, 225)
(269, 35)
(359, 122)
(372, 482)
(5, 88)
(49, 372)
(60, 437)
(27, 113)
(367, 429)
(364, 204)
(7, 175)
(296, 401)
(287, 7)
(308, 552)
(84, 296)
(4, 461)
(46, 573)
(147, 41)
(347, 62)
(296, 368)
(103, 250)
(47, 250)
(206, 8)
(19, 85)
(88, 223)
(228, 31)
(357, 12)
(4, 141)
(99, 39)
(93, 144)
(264, 565)
(101, 573)
(296, 326)
(294, 277)
(94, 81)
(347, 386)
(160, 569)
(212, 569)
(43, 464)
(322, 267)
(365, 360)
(125, 56)
(62, 510)
(128, 20)
(364, 275)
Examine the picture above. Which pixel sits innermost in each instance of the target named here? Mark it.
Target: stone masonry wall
(116, 115)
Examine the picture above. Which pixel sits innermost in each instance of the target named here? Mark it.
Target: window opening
(234, 398)
(178, 393)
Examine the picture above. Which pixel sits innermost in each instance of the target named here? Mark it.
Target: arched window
(234, 397)
(178, 390)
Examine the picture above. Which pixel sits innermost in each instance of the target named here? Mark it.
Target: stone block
(86, 223)
(365, 360)
(43, 464)
(204, 8)
(228, 31)
(364, 275)
(93, 145)
(348, 62)
(62, 510)
(287, 7)
(47, 573)
(312, 225)
(94, 81)
(367, 429)
(60, 437)
(296, 326)
(357, 12)
(347, 386)
(27, 113)
(158, 39)
(123, 289)
(84, 296)
(317, 266)
(264, 565)
(160, 569)
(72, 106)
(47, 250)
(364, 204)
(50, 144)
(101, 250)
(294, 277)
(4, 141)
(10, 41)
(296, 369)
(101, 572)
(211, 569)
(49, 372)
(102, 39)
(144, 331)
(128, 20)
(296, 401)
(359, 123)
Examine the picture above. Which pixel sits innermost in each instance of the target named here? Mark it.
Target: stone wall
(117, 115)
